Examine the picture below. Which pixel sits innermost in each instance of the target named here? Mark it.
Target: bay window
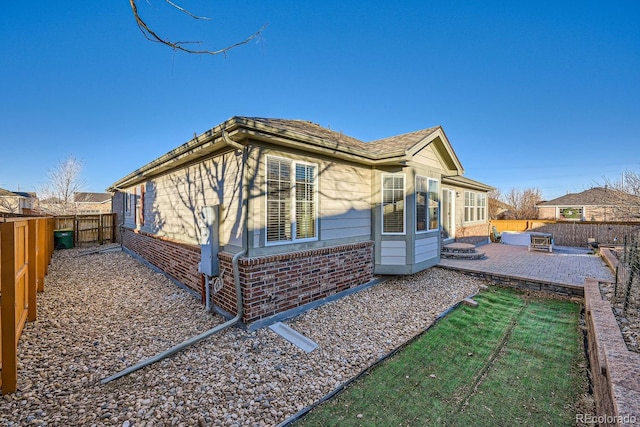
(427, 204)
(393, 204)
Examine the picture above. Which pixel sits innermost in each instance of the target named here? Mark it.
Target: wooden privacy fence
(574, 233)
(26, 246)
(516, 224)
(98, 228)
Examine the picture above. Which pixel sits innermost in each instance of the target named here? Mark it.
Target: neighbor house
(309, 212)
(16, 202)
(595, 204)
(92, 203)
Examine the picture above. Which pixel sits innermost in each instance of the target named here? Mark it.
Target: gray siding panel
(393, 252)
(426, 249)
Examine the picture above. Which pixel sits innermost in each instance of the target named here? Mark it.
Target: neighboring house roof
(302, 135)
(91, 197)
(7, 193)
(28, 195)
(597, 196)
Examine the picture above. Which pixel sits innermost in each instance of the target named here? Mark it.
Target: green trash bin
(63, 239)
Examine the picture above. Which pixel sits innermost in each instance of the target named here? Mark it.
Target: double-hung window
(475, 206)
(291, 200)
(481, 206)
(427, 204)
(393, 203)
(469, 206)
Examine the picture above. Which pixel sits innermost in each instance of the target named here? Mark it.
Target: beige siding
(344, 202)
(427, 159)
(344, 210)
(547, 212)
(173, 202)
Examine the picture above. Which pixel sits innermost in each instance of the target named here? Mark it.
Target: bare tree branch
(64, 180)
(629, 183)
(185, 11)
(524, 202)
(180, 45)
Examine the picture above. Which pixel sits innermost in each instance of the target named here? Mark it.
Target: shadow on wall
(176, 200)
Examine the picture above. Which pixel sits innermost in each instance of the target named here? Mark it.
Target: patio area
(563, 266)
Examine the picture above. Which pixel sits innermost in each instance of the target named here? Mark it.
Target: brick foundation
(277, 283)
(270, 284)
(178, 260)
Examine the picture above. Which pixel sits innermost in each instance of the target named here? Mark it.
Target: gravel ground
(629, 319)
(101, 313)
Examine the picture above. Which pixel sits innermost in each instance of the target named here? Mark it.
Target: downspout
(236, 279)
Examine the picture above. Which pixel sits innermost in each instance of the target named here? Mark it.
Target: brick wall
(614, 369)
(273, 284)
(473, 233)
(270, 284)
(178, 260)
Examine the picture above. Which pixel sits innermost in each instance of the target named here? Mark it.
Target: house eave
(198, 147)
(283, 137)
(242, 130)
(464, 182)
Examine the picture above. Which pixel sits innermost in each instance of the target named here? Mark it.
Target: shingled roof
(308, 129)
(299, 134)
(597, 196)
(9, 193)
(401, 142)
(91, 197)
(313, 130)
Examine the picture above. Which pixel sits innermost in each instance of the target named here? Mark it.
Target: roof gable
(414, 142)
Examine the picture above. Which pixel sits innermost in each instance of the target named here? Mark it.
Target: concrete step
(462, 255)
(459, 248)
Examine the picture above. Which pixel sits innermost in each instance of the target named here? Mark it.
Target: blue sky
(532, 94)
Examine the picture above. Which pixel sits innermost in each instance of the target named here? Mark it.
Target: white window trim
(404, 204)
(474, 208)
(482, 207)
(429, 180)
(292, 214)
(428, 230)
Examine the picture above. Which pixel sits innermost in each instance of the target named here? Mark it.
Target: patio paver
(565, 265)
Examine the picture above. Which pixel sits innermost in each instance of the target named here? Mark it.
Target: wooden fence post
(42, 255)
(100, 230)
(8, 321)
(32, 262)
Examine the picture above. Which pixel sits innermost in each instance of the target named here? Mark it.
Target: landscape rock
(103, 312)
